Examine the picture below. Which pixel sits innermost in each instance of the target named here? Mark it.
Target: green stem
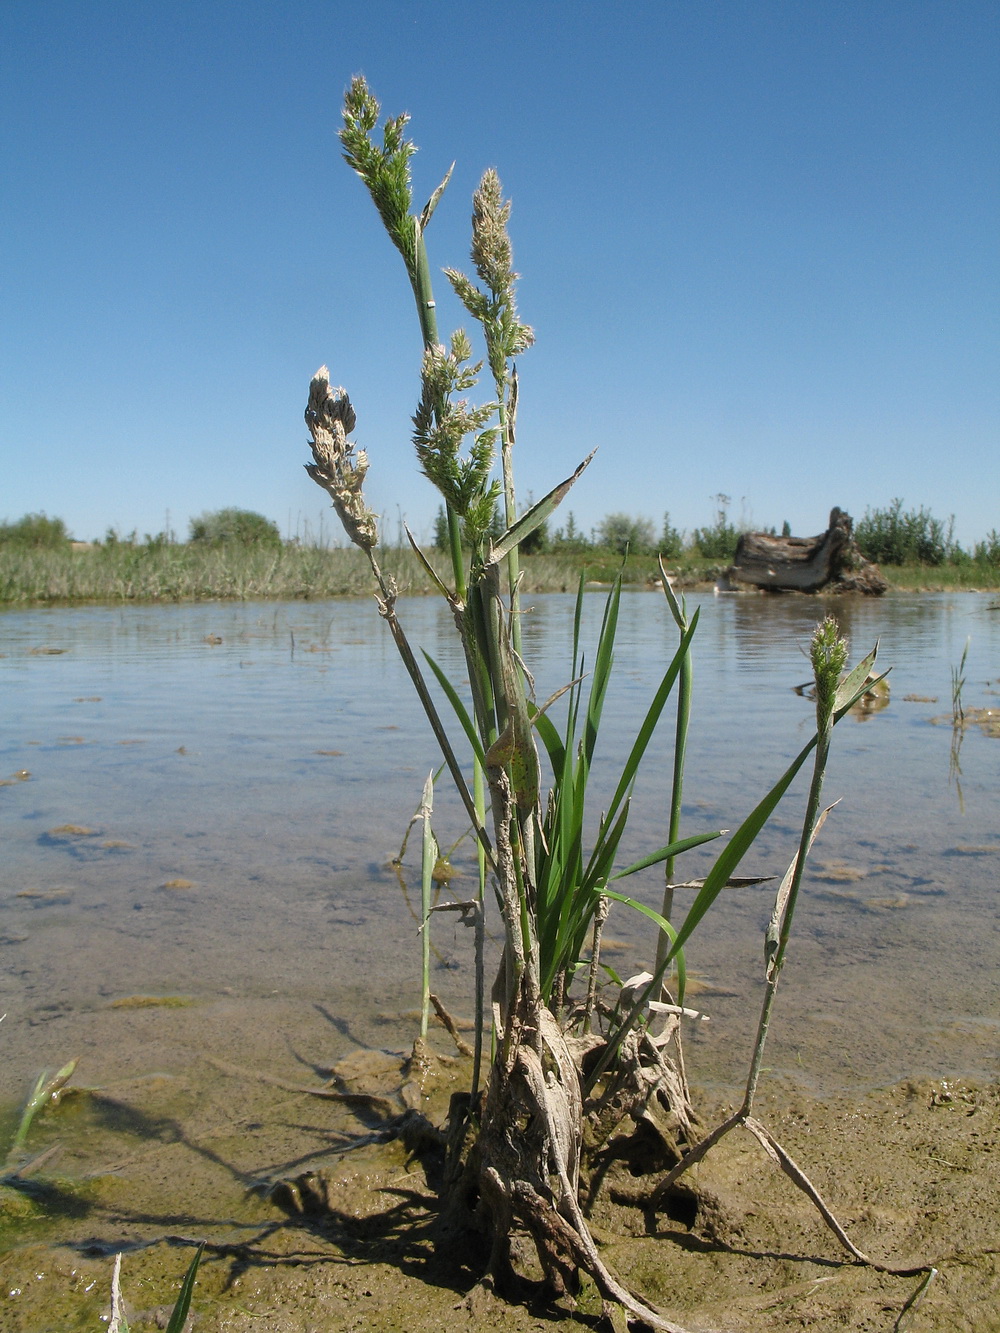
(479, 796)
(423, 291)
(507, 418)
(427, 860)
(809, 823)
(684, 680)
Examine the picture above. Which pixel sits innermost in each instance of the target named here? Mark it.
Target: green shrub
(988, 552)
(719, 541)
(671, 540)
(440, 539)
(894, 537)
(568, 539)
(622, 533)
(242, 527)
(37, 531)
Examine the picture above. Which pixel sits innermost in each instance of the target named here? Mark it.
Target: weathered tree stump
(830, 562)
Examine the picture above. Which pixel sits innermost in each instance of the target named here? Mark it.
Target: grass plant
(201, 572)
(46, 1092)
(575, 1063)
(957, 686)
(194, 572)
(958, 723)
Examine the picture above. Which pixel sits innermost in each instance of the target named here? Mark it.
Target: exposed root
(795, 1173)
(526, 1160)
(658, 1198)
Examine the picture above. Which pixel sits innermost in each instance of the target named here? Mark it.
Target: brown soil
(147, 1167)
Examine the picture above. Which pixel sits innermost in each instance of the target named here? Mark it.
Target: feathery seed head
(384, 169)
(491, 248)
(828, 652)
(495, 308)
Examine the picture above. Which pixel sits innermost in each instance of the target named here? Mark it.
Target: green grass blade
(652, 717)
(567, 894)
(461, 712)
(180, 1312)
(572, 712)
(549, 736)
(44, 1090)
(606, 849)
(859, 693)
(677, 609)
(603, 663)
(428, 209)
(855, 679)
(428, 567)
(663, 924)
(671, 849)
(738, 846)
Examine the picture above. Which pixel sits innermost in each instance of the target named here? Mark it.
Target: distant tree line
(895, 536)
(618, 533)
(220, 527)
(891, 536)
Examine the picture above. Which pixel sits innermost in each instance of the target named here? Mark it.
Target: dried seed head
(337, 468)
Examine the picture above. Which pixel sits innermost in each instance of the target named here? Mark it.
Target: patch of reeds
(33, 576)
(194, 572)
(965, 576)
(197, 572)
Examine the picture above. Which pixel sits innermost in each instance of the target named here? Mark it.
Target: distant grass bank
(194, 572)
(176, 573)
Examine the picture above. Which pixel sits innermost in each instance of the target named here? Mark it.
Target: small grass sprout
(957, 686)
(46, 1092)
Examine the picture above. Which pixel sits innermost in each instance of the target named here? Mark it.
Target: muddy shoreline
(148, 1164)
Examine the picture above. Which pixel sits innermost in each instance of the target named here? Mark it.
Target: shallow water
(244, 773)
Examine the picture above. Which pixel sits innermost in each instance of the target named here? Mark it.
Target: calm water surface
(243, 775)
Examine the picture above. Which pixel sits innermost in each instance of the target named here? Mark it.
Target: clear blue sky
(758, 239)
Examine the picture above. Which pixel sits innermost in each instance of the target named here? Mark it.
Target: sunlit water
(246, 772)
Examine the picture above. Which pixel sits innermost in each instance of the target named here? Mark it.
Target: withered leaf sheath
(337, 467)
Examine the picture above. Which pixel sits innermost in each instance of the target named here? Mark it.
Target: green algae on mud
(154, 1167)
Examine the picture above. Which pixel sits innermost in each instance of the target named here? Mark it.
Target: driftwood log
(829, 562)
